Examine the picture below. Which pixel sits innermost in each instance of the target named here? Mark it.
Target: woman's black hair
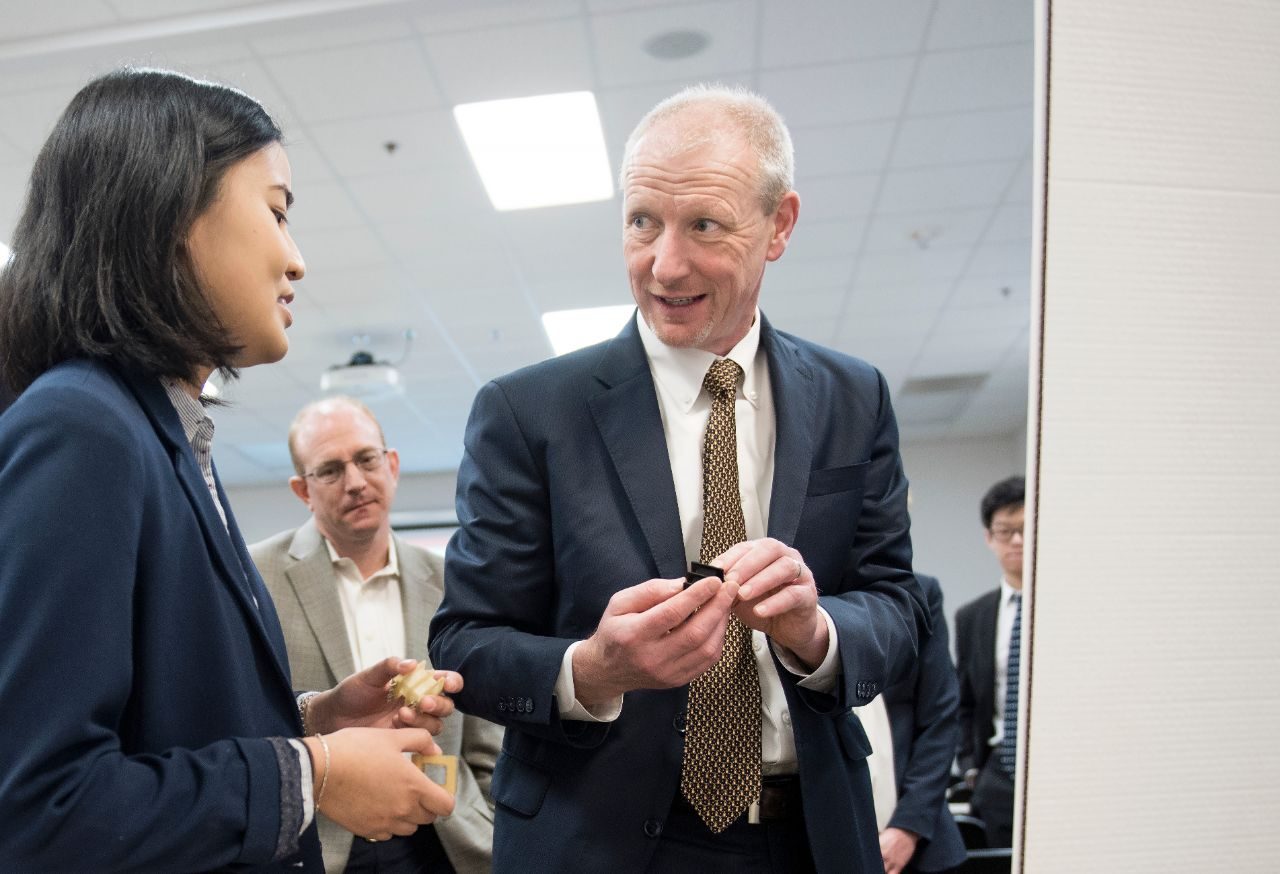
(99, 268)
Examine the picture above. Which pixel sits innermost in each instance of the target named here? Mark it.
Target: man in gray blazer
(350, 593)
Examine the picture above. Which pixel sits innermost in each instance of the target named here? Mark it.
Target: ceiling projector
(362, 377)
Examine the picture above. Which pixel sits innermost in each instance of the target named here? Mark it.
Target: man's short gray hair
(753, 116)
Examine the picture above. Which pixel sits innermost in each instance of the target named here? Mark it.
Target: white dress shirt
(371, 608)
(884, 781)
(1004, 628)
(685, 408)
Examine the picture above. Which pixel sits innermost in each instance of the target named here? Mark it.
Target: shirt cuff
(823, 678)
(291, 768)
(570, 707)
(308, 782)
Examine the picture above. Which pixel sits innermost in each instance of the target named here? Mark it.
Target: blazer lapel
(316, 587)
(218, 537)
(627, 416)
(420, 592)
(795, 413)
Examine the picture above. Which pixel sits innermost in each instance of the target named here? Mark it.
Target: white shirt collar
(392, 567)
(681, 371)
(1007, 591)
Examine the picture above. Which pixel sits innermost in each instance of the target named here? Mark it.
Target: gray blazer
(296, 568)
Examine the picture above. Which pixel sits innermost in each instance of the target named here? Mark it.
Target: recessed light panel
(538, 151)
(573, 329)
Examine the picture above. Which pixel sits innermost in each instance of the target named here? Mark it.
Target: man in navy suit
(919, 716)
(984, 631)
(581, 503)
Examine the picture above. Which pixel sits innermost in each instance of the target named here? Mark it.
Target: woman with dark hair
(148, 720)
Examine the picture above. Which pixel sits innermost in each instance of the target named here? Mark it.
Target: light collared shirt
(884, 781)
(1004, 628)
(685, 409)
(198, 429)
(372, 608)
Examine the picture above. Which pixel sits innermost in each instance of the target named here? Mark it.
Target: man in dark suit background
(582, 496)
(984, 630)
(920, 833)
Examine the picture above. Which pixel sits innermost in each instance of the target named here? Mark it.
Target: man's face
(1004, 538)
(697, 239)
(357, 506)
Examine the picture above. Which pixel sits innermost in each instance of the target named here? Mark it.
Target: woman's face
(244, 257)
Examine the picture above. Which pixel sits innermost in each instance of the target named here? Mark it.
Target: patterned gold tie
(721, 772)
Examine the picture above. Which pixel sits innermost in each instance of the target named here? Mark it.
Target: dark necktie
(721, 772)
(1009, 743)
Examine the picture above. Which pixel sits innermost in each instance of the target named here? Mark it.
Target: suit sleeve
(495, 625)
(877, 607)
(72, 492)
(965, 753)
(922, 794)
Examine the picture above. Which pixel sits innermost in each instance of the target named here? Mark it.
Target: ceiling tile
(563, 241)
(27, 20)
(473, 14)
(987, 78)
(963, 137)
(618, 42)
(981, 23)
(817, 31)
(791, 274)
(1011, 222)
(908, 266)
(832, 198)
(999, 259)
(423, 141)
(357, 82)
(552, 57)
(858, 92)
(914, 231)
(824, 239)
(944, 188)
(850, 148)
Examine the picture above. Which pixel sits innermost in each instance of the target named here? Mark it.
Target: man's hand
(656, 635)
(897, 846)
(370, 787)
(361, 700)
(777, 596)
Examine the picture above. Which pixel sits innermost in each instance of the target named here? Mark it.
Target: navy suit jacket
(138, 676)
(565, 496)
(976, 665)
(922, 718)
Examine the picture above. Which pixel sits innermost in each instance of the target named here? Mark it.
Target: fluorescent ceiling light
(572, 329)
(538, 151)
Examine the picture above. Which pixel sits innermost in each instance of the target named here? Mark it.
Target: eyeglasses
(330, 472)
(1003, 534)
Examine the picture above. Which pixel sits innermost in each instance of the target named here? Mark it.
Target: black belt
(780, 799)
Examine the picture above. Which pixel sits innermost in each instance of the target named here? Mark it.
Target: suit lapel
(627, 416)
(219, 539)
(420, 592)
(310, 573)
(795, 414)
(985, 652)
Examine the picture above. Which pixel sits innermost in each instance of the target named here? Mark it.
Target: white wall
(1153, 657)
(948, 479)
(264, 510)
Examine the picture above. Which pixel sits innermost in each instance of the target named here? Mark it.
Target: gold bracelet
(324, 780)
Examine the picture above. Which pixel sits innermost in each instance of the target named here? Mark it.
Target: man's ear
(301, 488)
(784, 222)
(393, 463)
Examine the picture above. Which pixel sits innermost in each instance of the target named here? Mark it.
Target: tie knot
(723, 377)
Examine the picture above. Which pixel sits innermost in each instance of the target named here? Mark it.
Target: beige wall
(1155, 599)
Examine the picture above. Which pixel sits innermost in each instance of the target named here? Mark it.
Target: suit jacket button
(652, 828)
(528, 705)
(679, 723)
(502, 705)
